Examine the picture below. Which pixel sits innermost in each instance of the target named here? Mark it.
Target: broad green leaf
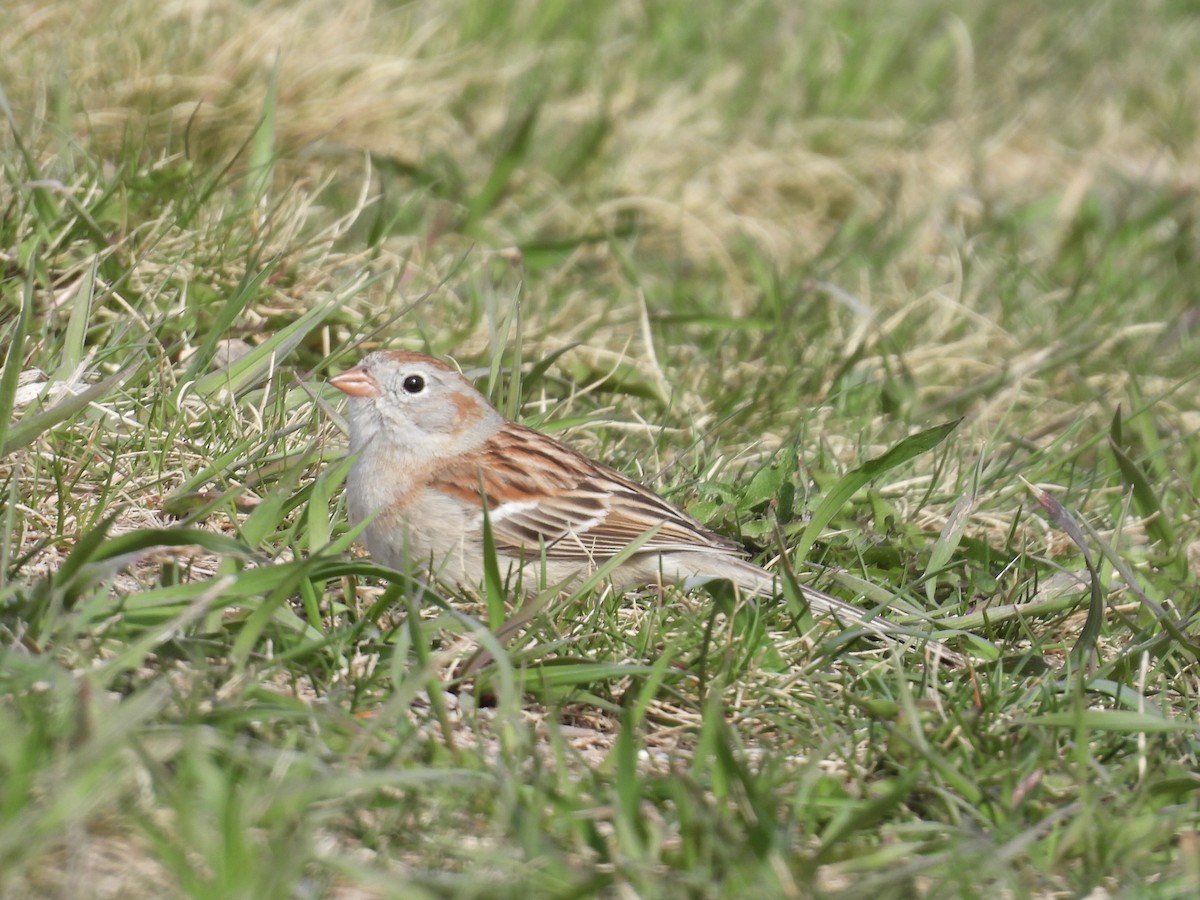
(254, 366)
(1158, 525)
(150, 538)
(27, 430)
(850, 483)
(246, 292)
(262, 145)
(75, 339)
(947, 542)
(566, 673)
(493, 582)
(1111, 720)
(853, 818)
(14, 359)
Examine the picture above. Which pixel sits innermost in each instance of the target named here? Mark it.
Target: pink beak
(356, 382)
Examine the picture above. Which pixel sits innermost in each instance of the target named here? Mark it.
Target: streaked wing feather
(577, 510)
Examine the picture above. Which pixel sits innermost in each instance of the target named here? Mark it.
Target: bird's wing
(548, 498)
(576, 510)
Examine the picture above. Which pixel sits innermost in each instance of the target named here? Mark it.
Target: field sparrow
(432, 451)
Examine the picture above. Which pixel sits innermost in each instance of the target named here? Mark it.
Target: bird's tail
(754, 580)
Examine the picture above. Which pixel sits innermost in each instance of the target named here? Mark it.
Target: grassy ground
(737, 250)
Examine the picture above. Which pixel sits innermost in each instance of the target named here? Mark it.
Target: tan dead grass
(100, 860)
(354, 78)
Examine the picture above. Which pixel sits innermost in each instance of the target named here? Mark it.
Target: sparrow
(435, 460)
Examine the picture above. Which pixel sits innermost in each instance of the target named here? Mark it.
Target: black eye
(414, 384)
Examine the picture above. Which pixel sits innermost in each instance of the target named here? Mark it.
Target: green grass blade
(262, 145)
(246, 293)
(1118, 720)
(1085, 645)
(947, 542)
(254, 366)
(25, 431)
(1158, 525)
(493, 580)
(14, 359)
(853, 481)
(513, 149)
(75, 339)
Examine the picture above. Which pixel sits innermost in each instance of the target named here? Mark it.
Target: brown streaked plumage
(432, 453)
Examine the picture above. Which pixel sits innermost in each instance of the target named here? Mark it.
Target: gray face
(418, 404)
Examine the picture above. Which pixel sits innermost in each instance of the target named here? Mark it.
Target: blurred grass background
(736, 250)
